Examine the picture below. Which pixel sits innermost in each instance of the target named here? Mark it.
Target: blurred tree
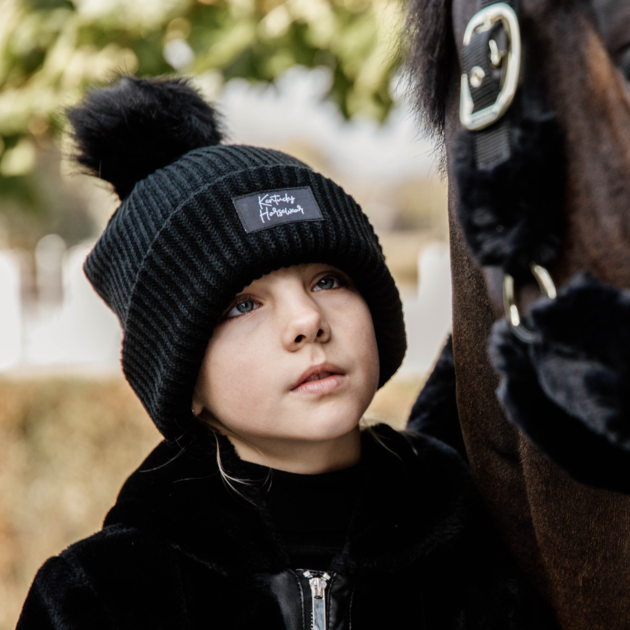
(50, 50)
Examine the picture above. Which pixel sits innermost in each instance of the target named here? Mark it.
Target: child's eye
(329, 282)
(243, 306)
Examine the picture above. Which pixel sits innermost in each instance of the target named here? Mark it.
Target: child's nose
(304, 325)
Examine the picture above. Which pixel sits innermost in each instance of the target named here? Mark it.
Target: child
(259, 319)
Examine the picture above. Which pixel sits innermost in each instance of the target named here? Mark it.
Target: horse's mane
(430, 45)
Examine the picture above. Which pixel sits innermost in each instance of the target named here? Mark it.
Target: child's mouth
(320, 384)
(320, 379)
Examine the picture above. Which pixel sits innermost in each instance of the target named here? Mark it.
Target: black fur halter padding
(569, 390)
(511, 214)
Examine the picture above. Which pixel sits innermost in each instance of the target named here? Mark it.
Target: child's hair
(198, 221)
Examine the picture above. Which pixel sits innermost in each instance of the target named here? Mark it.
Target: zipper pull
(318, 585)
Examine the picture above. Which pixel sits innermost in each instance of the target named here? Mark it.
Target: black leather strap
(492, 145)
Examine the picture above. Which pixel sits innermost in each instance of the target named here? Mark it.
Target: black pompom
(125, 132)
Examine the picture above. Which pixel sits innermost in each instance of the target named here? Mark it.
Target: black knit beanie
(199, 221)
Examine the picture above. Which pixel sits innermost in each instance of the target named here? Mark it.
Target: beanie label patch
(269, 208)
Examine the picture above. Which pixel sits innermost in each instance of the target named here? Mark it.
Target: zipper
(318, 582)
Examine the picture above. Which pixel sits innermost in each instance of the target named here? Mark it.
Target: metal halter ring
(547, 288)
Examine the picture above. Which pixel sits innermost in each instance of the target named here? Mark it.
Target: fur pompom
(127, 131)
(511, 214)
(568, 391)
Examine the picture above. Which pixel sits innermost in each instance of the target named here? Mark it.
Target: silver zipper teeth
(318, 591)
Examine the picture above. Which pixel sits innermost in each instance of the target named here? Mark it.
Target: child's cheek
(240, 376)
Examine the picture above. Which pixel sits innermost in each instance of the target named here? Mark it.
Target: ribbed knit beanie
(199, 221)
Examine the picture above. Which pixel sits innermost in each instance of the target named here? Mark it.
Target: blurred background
(319, 79)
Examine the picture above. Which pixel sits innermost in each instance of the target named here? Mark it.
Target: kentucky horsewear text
(269, 208)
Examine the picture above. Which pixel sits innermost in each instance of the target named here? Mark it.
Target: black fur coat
(180, 551)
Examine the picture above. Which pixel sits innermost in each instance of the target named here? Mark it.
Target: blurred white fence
(428, 319)
(66, 326)
(10, 310)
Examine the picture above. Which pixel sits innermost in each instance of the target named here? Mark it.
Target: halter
(563, 379)
(492, 73)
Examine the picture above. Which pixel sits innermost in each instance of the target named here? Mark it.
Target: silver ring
(547, 288)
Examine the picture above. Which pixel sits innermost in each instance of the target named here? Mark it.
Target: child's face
(276, 332)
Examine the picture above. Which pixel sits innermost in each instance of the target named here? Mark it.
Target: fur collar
(417, 499)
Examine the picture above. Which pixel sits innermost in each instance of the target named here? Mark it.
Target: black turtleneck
(312, 512)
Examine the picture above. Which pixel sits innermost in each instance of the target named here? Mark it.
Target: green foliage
(51, 50)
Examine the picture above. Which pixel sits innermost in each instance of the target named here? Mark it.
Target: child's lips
(321, 386)
(319, 379)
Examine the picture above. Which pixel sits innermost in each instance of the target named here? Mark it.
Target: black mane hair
(431, 46)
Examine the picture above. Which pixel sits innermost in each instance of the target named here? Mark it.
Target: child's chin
(329, 428)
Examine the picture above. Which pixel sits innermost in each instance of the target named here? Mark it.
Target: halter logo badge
(481, 22)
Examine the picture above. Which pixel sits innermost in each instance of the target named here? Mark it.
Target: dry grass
(393, 402)
(66, 446)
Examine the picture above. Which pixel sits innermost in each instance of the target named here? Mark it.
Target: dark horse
(572, 538)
